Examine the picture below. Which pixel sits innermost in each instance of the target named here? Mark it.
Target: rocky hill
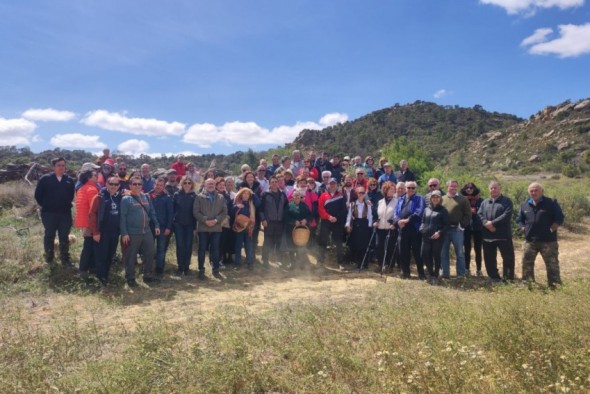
(556, 139)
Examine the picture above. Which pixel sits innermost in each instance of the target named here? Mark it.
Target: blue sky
(199, 77)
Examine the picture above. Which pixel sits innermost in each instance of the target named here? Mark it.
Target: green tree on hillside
(418, 160)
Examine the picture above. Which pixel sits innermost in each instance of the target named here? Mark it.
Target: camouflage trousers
(550, 253)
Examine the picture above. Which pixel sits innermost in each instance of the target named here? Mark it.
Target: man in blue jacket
(539, 218)
(55, 193)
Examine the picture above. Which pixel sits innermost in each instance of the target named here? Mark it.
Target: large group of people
(366, 211)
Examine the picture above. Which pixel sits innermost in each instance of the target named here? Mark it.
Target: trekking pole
(385, 253)
(368, 248)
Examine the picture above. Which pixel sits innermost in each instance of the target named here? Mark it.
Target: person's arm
(93, 217)
(506, 216)
(558, 216)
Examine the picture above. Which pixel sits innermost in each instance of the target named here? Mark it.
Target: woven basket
(300, 235)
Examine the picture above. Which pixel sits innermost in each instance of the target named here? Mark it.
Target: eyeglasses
(187, 183)
(433, 185)
(410, 187)
(113, 184)
(136, 184)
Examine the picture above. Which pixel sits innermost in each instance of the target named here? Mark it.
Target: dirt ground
(180, 299)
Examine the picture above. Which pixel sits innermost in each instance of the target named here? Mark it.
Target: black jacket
(433, 220)
(55, 196)
(499, 212)
(537, 219)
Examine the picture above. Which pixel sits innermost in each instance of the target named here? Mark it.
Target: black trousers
(272, 239)
(391, 246)
(410, 243)
(477, 237)
(430, 253)
(506, 249)
(59, 223)
(337, 232)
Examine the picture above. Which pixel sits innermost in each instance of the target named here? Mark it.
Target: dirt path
(179, 300)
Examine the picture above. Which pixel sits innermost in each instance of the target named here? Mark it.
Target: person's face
(107, 169)
(261, 172)
(288, 176)
(282, 183)
(112, 185)
(345, 164)
(245, 196)
(360, 191)
(311, 185)
(275, 160)
(274, 184)
(535, 192)
(250, 178)
(387, 170)
(172, 178)
(59, 168)
(229, 185)
(347, 181)
(210, 185)
(401, 190)
(159, 186)
(411, 189)
(495, 190)
(287, 163)
(220, 187)
(452, 188)
(372, 186)
(433, 185)
(404, 166)
(145, 171)
(296, 156)
(296, 198)
(391, 192)
(302, 184)
(325, 178)
(335, 160)
(332, 187)
(135, 186)
(190, 169)
(435, 200)
(187, 185)
(180, 159)
(360, 175)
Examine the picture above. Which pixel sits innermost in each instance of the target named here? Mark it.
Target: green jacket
(207, 208)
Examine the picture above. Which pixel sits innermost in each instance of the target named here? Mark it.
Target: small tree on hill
(418, 160)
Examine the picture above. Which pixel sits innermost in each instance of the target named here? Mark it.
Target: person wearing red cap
(107, 170)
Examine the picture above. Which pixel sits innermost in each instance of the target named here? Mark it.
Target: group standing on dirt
(368, 212)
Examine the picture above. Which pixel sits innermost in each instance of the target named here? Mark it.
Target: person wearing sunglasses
(104, 222)
(433, 184)
(184, 223)
(408, 217)
(137, 211)
(474, 232)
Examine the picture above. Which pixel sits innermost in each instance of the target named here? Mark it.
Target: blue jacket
(183, 208)
(136, 215)
(164, 209)
(415, 210)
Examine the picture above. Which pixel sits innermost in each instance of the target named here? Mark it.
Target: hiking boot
(217, 275)
(131, 283)
(202, 274)
(49, 257)
(151, 280)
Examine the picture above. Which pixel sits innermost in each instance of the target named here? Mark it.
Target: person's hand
(157, 231)
(240, 206)
(210, 222)
(264, 223)
(375, 224)
(167, 232)
(332, 219)
(96, 238)
(303, 222)
(348, 229)
(125, 239)
(435, 235)
(554, 227)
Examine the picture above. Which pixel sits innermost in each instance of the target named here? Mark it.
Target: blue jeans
(242, 238)
(162, 242)
(184, 245)
(209, 241)
(456, 237)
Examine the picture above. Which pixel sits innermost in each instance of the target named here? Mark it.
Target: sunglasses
(136, 184)
(410, 187)
(433, 185)
(187, 183)
(311, 182)
(113, 184)
(469, 188)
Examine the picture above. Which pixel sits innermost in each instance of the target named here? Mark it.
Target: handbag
(241, 222)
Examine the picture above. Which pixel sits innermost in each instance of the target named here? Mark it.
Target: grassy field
(308, 331)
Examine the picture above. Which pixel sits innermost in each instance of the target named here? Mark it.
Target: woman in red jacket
(84, 197)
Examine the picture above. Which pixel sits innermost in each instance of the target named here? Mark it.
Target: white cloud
(133, 147)
(540, 35)
(139, 126)
(77, 140)
(574, 41)
(529, 6)
(249, 133)
(441, 93)
(186, 153)
(16, 131)
(48, 115)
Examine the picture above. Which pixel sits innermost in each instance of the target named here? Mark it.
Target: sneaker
(151, 279)
(131, 283)
(221, 266)
(217, 275)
